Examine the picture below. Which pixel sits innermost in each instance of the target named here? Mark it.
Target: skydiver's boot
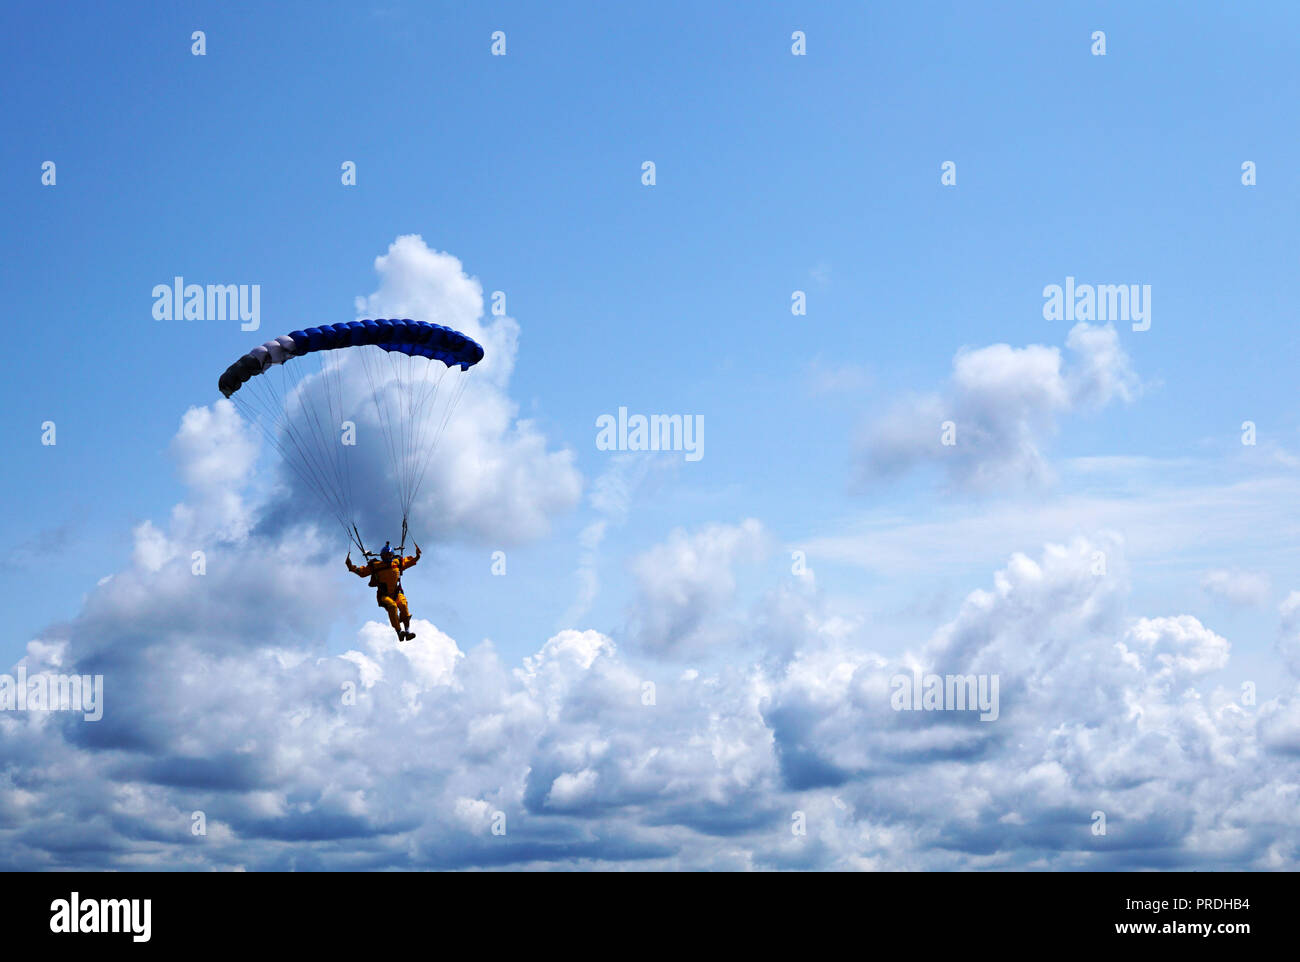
(409, 633)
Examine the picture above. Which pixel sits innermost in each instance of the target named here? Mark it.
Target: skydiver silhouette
(385, 574)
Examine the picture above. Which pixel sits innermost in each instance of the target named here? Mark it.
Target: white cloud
(220, 698)
(152, 549)
(686, 580)
(213, 448)
(1004, 401)
(1242, 588)
(1102, 371)
(214, 451)
(1180, 648)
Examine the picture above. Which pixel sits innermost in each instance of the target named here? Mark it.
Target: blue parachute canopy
(333, 418)
(414, 338)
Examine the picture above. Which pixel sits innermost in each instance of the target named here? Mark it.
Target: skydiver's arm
(409, 562)
(360, 572)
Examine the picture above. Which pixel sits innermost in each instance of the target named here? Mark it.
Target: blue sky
(775, 173)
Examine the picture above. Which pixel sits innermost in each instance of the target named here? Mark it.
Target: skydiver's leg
(393, 619)
(406, 616)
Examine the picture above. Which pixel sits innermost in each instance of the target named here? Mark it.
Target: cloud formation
(1240, 588)
(442, 755)
(697, 738)
(1004, 402)
(687, 581)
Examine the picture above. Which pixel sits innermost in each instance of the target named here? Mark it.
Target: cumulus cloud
(1004, 401)
(214, 452)
(219, 699)
(1101, 372)
(686, 581)
(1099, 712)
(1176, 649)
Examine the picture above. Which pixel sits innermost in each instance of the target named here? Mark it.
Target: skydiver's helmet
(386, 553)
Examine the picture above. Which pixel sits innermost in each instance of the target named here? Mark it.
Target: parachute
(306, 391)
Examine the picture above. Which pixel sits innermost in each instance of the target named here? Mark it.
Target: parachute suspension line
(427, 401)
(331, 383)
(335, 367)
(391, 389)
(394, 410)
(402, 465)
(268, 404)
(406, 377)
(279, 396)
(402, 405)
(325, 458)
(315, 445)
(457, 393)
(255, 407)
(292, 442)
(425, 410)
(383, 415)
(273, 427)
(301, 408)
(355, 535)
(403, 419)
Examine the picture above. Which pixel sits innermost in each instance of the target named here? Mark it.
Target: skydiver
(385, 574)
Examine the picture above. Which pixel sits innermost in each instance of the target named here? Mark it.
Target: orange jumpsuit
(387, 580)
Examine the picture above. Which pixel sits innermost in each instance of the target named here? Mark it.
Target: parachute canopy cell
(413, 338)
